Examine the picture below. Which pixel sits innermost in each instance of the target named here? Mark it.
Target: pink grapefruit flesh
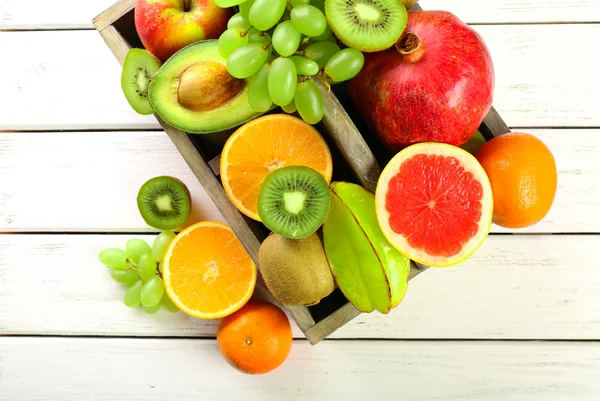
(434, 203)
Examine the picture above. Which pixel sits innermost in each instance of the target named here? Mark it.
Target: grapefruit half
(434, 203)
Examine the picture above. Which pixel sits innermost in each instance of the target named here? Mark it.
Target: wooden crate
(357, 158)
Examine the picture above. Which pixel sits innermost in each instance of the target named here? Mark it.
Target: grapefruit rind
(470, 164)
(224, 163)
(173, 296)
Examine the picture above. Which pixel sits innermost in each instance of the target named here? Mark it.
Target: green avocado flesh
(361, 203)
(353, 261)
(194, 92)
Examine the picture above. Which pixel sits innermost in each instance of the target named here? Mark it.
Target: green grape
(345, 64)
(305, 66)
(128, 277)
(264, 14)
(256, 36)
(147, 267)
(246, 60)
(286, 39)
(245, 9)
(321, 52)
(296, 3)
(152, 291)
(309, 102)
(161, 244)
(290, 107)
(135, 248)
(327, 35)
(282, 81)
(132, 295)
(151, 310)
(237, 21)
(228, 3)
(231, 40)
(258, 91)
(168, 304)
(308, 20)
(114, 258)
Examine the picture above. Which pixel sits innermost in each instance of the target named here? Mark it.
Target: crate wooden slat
(355, 160)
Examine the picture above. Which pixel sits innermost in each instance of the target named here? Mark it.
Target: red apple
(166, 26)
(435, 85)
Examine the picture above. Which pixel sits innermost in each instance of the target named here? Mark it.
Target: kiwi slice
(367, 25)
(164, 203)
(138, 70)
(293, 201)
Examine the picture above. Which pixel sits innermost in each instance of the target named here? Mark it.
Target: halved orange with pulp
(207, 272)
(266, 144)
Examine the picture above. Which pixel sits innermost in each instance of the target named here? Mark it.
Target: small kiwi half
(294, 201)
(138, 70)
(164, 203)
(367, 25)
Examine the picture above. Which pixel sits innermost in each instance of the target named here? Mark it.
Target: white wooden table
(519, 321)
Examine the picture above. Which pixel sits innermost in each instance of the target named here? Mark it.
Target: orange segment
(207, 272)
(266, 144)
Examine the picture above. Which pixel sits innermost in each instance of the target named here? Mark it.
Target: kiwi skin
(296, 271)
(139, 66)
(179, 199)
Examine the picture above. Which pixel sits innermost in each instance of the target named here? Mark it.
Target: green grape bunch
(285, 48)
(138, 267)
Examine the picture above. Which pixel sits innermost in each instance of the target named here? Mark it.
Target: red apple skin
(164, 27)
(443, 97)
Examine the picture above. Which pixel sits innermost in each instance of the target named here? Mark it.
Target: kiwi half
(293, 201)
(164, 203)
(367, 25)
(138, 70)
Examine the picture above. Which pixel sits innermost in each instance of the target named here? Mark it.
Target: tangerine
(523, 175)
(256, 339)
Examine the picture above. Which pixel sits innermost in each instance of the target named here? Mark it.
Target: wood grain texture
(65, 14)
(135, 370)
(514, 287)
(99, 182)
(113, 13)
(348, 139)
(48, 79)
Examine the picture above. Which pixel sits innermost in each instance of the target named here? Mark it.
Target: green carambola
(361, 203)
(353, 261)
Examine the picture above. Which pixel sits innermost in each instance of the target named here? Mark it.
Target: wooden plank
(49, 80)
(514, 287)
(99, 181)
(135, 370)
(113, 13)
(68, 14)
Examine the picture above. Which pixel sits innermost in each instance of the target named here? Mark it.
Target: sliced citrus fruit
(207, 272)
(434, 203)
(266, 144)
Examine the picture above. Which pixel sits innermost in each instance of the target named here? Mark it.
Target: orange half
(266, 144)
(207, 272)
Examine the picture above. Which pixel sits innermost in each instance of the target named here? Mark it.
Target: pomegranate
(435, 85)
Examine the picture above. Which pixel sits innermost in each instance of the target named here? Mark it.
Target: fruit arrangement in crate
(285, 111)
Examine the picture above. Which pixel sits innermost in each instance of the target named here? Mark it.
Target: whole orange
(255, 339)
(522, 172)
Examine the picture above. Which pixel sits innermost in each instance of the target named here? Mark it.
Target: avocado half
(193, 91)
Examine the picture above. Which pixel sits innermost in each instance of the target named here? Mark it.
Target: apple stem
(410, 46)
(187, 5)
